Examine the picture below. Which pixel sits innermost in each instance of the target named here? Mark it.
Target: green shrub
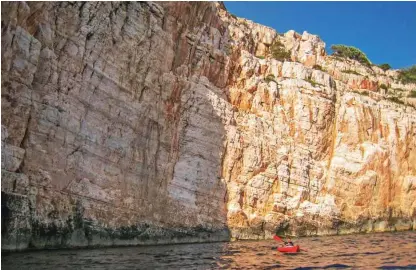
(270, 78)
(349, 71)
(408, 75)
(317, 67)
(383, 86)
(395, 100)
(278, 51)
(351, 53)
(313, 82)
(384, 66)
(396, 92)
(364, 93)
(412, 94)
(277, 43)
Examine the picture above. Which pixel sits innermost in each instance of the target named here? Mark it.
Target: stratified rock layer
(139, 123)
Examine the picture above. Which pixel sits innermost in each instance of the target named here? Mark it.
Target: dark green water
(371, 251)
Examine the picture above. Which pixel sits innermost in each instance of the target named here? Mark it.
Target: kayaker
(289, 243)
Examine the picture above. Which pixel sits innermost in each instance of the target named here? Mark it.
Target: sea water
(362, 251)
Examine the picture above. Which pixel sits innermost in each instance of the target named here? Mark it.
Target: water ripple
(410, 266)
(372, 251)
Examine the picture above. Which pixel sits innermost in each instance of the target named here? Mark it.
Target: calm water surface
(372, 251)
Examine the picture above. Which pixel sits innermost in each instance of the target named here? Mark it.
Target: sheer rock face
(113, 119)
(140, 123)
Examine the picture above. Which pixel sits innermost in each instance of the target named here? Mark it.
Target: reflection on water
(372, 251)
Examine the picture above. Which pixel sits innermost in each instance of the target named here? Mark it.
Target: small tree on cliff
(384, 67)
(351, 53)
(278, 51)
(408, 75)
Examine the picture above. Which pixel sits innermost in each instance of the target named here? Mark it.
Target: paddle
(277, 238)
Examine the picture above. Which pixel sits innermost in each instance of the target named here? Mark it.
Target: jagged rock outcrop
(136, 123)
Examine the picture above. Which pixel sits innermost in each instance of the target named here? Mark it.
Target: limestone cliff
(138, 123)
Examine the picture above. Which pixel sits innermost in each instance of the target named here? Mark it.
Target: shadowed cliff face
(113, 121)
(139, 123)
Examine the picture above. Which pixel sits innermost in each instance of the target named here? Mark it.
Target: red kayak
(289, 249)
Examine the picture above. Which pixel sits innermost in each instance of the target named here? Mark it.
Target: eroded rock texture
(318, 146)
(137, 123)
